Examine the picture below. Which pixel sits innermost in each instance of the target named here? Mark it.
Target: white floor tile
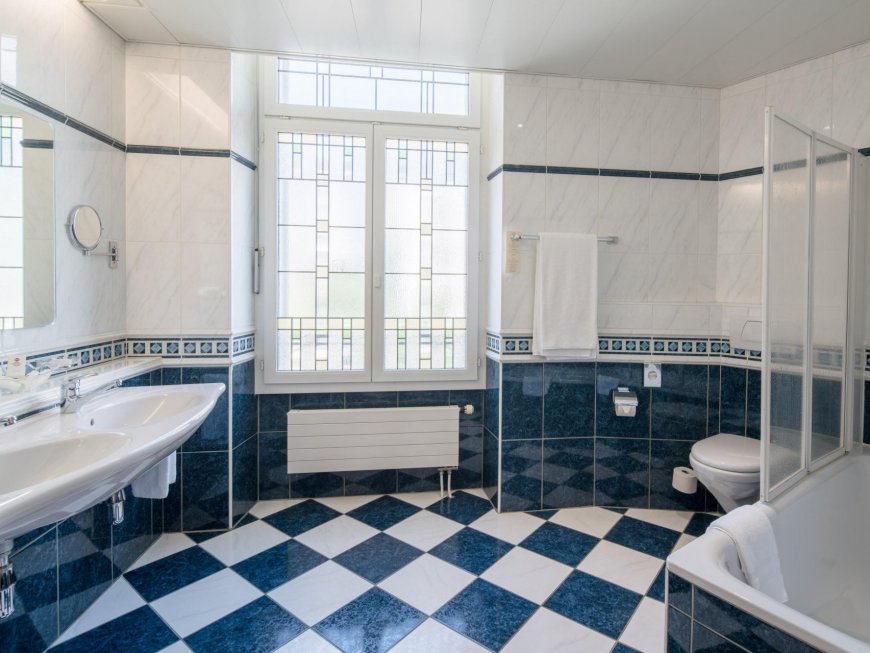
(676, 520)
(528, 574)
(205, 601)
(511, 527)
(427, 583)
(266, 508)
(419, 499)
(553, 633)
(622, 566)
(167, 545)
(433, 637)
(242, 543)
(424, 530)
(346, 504)
(646, 629)
(118, 600)
(178, 647)
(590, 520)
(337, 536)
(320, 592)
(683, 540)
(478, 492)
(308, 642)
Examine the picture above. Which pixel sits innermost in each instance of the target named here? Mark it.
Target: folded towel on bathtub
(750, 530)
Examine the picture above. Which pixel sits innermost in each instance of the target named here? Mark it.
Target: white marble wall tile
(675, 131)
(494, 250)
(851, 102)
(622, 276)
(754, 84)
(681, 319)
(708, 218)
(850, 54)
(709, 136)
(119, 92)
(623, 204)
(153, 50)
(806, 98)
(572, 203)
(205, 104)
(215, 55)
(88, 48)
(243, 105)
(619, 318)
(153, 92)
(205, 199)
(741, 130)
(243, 238)
(524, 200)
(492, 118)
(525, 124)
(738, 278)
(517, 297)
(706, 279)
(204, 282)
(673, 277)
(153, 197)
(740, 213)
(572, 127)
(673, 216)
(625, 122)
(153, 288)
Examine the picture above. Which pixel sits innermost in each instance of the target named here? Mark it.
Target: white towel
(565, 323)
(750, 530)
(154, 484)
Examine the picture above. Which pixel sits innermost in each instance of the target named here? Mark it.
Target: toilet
(730, 467)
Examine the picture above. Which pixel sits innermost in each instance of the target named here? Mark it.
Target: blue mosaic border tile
(82, 355)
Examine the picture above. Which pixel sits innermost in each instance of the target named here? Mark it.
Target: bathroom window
(372, 275)
(11, 223)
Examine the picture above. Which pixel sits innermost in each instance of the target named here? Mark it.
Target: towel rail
(610, 240)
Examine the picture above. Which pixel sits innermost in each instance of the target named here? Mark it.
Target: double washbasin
(59, 463)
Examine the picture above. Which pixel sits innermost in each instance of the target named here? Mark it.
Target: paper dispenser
(624, 402)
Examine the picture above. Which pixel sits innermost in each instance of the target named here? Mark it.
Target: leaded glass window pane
(426, 220)
(321, 290)
(11, 222)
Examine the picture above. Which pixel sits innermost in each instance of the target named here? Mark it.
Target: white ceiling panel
(388, 29)
(324, 27)
(705, 42)
(227, 23)
(450, 31)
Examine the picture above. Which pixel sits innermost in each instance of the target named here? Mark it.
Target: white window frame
(271, 106)
(376, 126)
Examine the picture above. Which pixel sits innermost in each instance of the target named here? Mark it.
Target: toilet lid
(733, 453)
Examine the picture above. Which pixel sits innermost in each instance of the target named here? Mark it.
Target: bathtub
(822, 529)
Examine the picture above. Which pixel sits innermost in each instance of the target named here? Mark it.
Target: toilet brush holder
(685, 480)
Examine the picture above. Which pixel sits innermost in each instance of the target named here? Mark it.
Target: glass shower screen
(807, 193)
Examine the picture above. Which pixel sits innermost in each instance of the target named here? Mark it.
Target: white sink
(57, 464)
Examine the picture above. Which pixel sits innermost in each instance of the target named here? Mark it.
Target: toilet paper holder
(624, 402)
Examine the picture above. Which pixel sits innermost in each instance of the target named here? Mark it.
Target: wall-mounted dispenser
(624, 402)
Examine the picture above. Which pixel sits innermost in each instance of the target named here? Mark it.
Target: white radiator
(372, 438)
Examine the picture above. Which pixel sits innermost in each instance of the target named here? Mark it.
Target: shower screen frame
(770, 488)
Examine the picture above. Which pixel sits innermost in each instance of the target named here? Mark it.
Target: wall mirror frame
(27, 218)
(85, 230)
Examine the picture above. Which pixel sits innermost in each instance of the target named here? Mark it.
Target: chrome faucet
(71, 392)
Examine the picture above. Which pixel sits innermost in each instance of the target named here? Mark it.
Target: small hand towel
(154, 484)
(750, 530)
(565, 323)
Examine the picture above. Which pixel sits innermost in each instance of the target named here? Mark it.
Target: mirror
(85, 228)
(26, 219)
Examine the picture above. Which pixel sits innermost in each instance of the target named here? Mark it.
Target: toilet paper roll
(685, 480)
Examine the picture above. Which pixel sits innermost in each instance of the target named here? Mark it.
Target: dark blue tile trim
(218, 154)
(495, 173)
(565, 170)
(235, 156)
(865, 151)
(87, 130)
(748, 172)
(31, 103)
(522, 167)
(709, 177)
(685, 176)
(37, 144)
(614, 172)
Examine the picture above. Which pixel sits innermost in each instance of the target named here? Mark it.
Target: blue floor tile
(698, 524)
(487, 614)
(657, 589)
(276, 566)
(302, 517)
(172, 573)
(384, 512)
(644, 537)
(463, 507)
(622, 648)
(472, 550)
(259, 627)
(559, 543)
(140, 631)
(373, 623)
(595, 603)
(378, 557)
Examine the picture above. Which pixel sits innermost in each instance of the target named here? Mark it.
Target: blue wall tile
(680, 593)
(827, 409)
(469, 474)
(568, 472)
(609, 376)
(84, 562)
(273, 477)
(522, 396)
(213, 435)
(423, 479)
(622, 472)
(521, 474)
(273, 412)
(135, 534)
(315, 401)
(424, 398)
(244, 402)
(866, 412)
(713, 399)
(381, 481)
(679, 632)
(320, 484)
(171, 512)
(205, 491)
(245, 489)
(753, 403)
(491, 404)
(170, 376)
(569, 399)
(490, 464)
(664, 456)
(679, 407)
(732, 404)
(371, 399)
(705, 640)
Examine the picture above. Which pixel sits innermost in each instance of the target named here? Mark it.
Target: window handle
(378, 281)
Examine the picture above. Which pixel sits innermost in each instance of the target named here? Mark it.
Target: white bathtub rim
(702, 562)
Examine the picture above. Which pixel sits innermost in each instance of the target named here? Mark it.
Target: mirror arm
(114, 254)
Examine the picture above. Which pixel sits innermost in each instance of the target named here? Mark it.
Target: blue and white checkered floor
(408, 573)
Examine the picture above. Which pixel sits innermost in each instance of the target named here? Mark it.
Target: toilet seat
(728, 452)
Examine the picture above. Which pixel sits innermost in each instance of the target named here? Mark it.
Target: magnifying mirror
(85, 228)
